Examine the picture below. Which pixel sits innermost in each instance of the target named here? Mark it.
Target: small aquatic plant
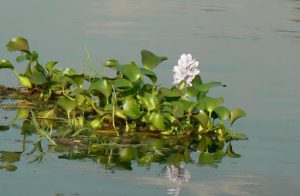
(85, 107)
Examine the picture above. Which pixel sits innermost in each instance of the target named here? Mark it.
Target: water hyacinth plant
(83, 107)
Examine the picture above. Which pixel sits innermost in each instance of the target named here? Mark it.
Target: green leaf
(6, 64)
(219, 155)
(111, 63)
(67, 104)
(22, 114)
(96, 123)
(165, 92)
(130, 71)
(150, 60)
(38, 78)
(24, 81)
(120, 114)
(128, 154)
(21, 58)
(194, 89)
(102, 86)
(237, 136)
(202, 118)
(50, 66)
(210, 103)
(131, 108)
(178, 109)
(235, 114)
(189, 106)
(18, 44)
(230, 152)
(70, 72)
(77, 79)
(206, 158)
(150, 74)
(197, 81)
(47, 114)
(206, 86)
(222, 112)
(150, 101)
(34, 56)
(158, 121)
(122, 84)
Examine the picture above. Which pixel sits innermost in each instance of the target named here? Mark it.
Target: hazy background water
(253, 46)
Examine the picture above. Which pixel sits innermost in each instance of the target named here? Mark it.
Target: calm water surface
(253, 46)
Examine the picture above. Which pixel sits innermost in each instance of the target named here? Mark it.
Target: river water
(253, 46)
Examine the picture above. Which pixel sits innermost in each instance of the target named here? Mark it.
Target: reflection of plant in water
(177, 174)
(7, 158)
(123, 118)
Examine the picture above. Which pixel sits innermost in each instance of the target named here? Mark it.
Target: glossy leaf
(122, 84)
(150, 60)
(131, 108)
(206, 158)
(77, 79)
(222, 112)
(189, 106)
(235, 114)
(67, 104)
(111, 63)
(47, 114)
(130, 71)
(150, 101)
(21, 58)
(6, 64)
(210, 103)
(22, 114)
(150, 74)
(237, 136)
(38, 78)
(206, 86)
(50, 65)
(120, 114)
(96, 123)
(18, 44)
(219, 155)
(197, 81)
(165, 92)
(102, 86)
(178, 109)
(158, 121)
(230, 152)
(202, 118)
(34, 56)
(70, 72)
(24, 81)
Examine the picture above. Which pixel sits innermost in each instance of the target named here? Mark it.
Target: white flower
(186, 69)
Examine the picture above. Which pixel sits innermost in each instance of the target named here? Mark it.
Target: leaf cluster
(130, 101)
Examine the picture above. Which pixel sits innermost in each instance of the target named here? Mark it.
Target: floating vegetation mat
(122, 118)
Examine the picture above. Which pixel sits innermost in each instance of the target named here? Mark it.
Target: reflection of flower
(186, 69)
(177, 174)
